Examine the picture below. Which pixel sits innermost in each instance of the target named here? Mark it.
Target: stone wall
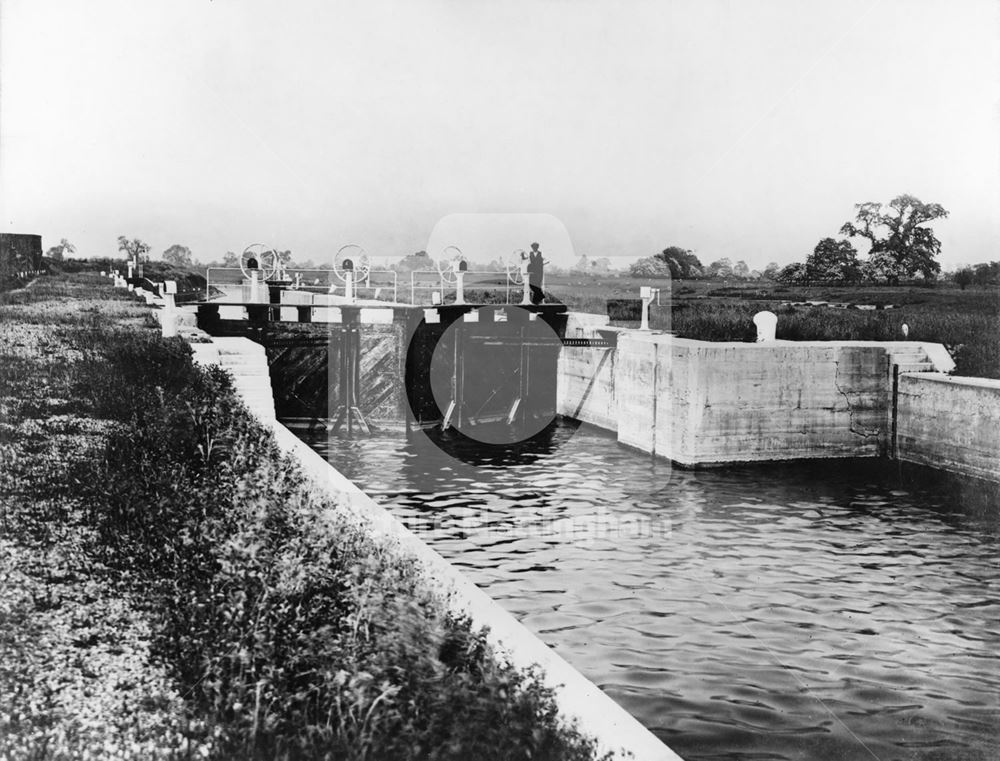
(950, 423)
(705, 403)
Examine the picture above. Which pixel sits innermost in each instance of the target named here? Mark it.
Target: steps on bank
(911, 359)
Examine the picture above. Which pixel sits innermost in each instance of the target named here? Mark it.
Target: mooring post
(767, 326)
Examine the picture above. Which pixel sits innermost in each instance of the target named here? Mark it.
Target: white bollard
(767, 326)
(168, 319)
(459, 287)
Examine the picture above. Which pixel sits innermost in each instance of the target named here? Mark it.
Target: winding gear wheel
(351, 258)
(260, 259)
(449, 268)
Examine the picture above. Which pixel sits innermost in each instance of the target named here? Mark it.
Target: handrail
(326, 275)
(445, 287)
(413, 284)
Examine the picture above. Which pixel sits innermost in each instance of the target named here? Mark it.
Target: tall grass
(966, 322)
(290, 632)
(294, 634)
(971, 337)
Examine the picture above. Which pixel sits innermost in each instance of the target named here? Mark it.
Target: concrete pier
(950, 423)
(703, 403)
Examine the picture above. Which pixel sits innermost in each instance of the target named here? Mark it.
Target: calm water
(832, 611)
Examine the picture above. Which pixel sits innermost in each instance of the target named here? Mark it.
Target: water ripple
(788, 612)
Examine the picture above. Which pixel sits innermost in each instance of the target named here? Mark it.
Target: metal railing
(477, 280)
(479, 285)
(376, 285)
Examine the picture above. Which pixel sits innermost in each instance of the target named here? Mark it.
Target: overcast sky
(738, 128)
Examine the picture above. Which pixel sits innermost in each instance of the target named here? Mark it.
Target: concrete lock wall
(585, 376)
(585, 386)
(950, 423)
(704, 403)
(732, 402)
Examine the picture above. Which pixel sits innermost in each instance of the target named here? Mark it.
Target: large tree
(987, 273)
(419, 260)
(833, 260)
(899, 234)
(651, 266)
(681, 261)
(964, 277)
(796, 273)
(883, 267)
(134, 248)
(721, 268)
(178, 255)
(59, 252)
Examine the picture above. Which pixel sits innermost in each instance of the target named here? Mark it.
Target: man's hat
(534, 245)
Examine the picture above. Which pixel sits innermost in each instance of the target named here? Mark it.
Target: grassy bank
(171, 590)
(190, 282)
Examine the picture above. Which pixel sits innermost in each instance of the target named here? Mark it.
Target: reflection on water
(834, 610)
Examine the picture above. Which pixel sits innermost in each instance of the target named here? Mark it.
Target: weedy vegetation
(173, 588)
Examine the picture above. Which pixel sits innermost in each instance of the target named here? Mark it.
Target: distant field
(967, 322)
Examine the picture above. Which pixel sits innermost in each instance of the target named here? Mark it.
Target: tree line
(682, 264)
(902, 246)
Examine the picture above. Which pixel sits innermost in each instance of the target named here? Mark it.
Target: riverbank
(172, 590)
